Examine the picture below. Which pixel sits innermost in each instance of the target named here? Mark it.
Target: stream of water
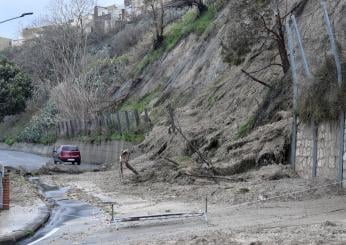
(64, 210)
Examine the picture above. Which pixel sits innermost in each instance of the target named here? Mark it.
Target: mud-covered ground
(270, 205)
(22, 193)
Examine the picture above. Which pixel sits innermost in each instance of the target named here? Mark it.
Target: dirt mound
(51, 168)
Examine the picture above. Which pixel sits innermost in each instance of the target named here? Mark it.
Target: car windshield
(70, 148)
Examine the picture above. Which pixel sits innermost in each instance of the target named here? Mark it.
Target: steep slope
(232, 120)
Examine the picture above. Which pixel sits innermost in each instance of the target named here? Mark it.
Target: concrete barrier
(105, 152)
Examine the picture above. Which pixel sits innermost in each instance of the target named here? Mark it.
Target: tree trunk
(201, 7)
(282, 46)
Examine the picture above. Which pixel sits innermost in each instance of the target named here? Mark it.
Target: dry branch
(215, 177)
(179, 130)
(255, 79)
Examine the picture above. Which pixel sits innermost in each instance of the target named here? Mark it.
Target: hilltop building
(5, 43)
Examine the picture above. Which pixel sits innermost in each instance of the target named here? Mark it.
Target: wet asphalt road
(21, 159)
(64, 210)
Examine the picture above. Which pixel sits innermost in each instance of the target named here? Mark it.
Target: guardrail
(164, 216)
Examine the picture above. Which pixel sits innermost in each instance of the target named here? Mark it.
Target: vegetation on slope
(190, 23)
(15, 89)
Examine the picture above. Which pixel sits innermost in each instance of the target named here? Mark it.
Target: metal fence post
(136, 117)
(127, 120)
(67, 129)
(119, 122)
(341, 133)
(314, 148)
(295, 94)
(2, 172)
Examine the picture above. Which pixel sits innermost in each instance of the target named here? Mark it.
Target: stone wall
(327, 151)
(105, 152)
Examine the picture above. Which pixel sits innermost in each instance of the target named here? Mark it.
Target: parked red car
(67, 153)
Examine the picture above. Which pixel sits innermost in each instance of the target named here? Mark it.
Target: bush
(245, 128)
(9, 141)
(128, 37)
(37, 130)
(323, 99)
(15, 89)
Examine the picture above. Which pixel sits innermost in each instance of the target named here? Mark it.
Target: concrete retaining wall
(327, 148)
(104, 152)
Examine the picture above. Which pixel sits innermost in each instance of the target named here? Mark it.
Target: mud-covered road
(304, 222)
(238, 213)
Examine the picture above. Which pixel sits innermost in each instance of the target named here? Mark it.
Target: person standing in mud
(124, 159)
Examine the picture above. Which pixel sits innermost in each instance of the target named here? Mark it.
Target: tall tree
(15, 89)
(156, 10)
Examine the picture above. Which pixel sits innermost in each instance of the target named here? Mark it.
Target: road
(285, 219)
(20, 159)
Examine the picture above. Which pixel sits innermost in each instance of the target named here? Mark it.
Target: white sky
(13, 8)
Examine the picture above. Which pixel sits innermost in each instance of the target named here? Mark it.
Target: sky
(14, 8)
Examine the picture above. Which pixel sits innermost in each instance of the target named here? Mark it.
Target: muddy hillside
(224, 96)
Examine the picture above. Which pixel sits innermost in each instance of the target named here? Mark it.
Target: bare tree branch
(256, 80)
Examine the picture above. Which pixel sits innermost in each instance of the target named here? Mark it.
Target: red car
(67, 153)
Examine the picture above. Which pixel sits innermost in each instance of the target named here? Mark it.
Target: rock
(273, 152)
(329, 223)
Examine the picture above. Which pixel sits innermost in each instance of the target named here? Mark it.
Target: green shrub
(48, 139)
(245, 128)
(202, 23)
(37, 129)
(9, 141)
(15, 89)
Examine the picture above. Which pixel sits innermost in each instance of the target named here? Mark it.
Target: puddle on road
(64, 210)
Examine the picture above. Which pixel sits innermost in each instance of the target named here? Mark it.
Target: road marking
(45, 236)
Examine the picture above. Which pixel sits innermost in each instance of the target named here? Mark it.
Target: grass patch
(245, 128)
(187, 25)
(149, 58)
(141, 103)
(177, 31)
(202, 23)
(134, 137)
(128, 136)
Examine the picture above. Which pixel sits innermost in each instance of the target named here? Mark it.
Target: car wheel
(73, 163)
(54, 162)
(78, 162)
